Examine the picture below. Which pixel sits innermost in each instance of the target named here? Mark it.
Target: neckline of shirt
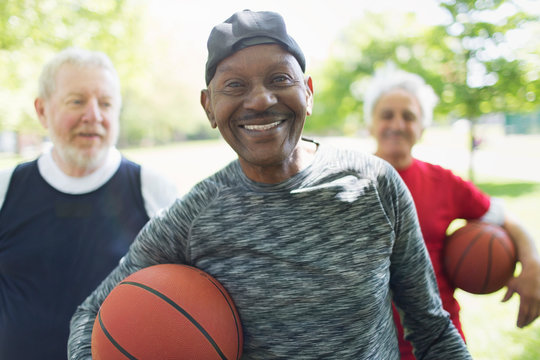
(55, 177)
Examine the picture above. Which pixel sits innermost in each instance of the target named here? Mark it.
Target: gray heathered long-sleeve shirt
(312, 263)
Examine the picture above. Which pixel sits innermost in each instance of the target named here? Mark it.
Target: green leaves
(477, 63)
(31, 31)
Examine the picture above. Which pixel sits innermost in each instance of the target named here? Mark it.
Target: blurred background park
(481, 57)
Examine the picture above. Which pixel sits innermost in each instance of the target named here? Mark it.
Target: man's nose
(260, 98)
(92, 111)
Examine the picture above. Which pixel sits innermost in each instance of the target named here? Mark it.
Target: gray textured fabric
(311, 263)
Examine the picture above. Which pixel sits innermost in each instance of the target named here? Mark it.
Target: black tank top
(55, 248)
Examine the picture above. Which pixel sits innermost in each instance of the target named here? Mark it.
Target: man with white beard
(69, 216)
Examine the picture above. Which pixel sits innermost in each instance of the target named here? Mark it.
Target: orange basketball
(167, 311)
(479, 257)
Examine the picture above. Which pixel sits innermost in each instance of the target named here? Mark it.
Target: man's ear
(205, 102)
(309, 91)
(39, 105)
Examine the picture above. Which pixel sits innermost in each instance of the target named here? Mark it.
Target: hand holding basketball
(167, 311)
(526, 285)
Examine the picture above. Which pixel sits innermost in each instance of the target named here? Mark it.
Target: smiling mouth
(89, 136)
(263, 127)
(394, 135)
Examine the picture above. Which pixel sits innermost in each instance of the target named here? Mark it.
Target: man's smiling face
(259, 100)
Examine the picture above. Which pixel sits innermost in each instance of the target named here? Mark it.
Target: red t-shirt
(440, 198)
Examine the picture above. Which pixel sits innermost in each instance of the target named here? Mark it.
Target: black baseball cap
(248, 28)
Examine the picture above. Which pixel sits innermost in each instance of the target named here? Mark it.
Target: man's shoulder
(364, 164)
(350, 155)
(128, 162)
(208, 189)
(6, 175)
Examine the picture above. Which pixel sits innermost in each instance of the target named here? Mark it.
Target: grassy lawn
(488, 324)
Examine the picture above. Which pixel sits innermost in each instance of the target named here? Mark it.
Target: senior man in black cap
(313, 243)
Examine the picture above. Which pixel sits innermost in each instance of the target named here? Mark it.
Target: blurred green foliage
(483, 59)
(31, 31)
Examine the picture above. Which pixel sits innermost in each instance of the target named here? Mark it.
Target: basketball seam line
(508, 250)
(464, 254)
(111, 339)
(232, 312)
(182, 311)
(226, 297)
(489, 264)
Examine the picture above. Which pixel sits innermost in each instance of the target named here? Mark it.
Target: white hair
(77, 57)
(389, 78)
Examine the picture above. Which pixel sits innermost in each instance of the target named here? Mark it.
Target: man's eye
(233, 84)
(232, 88)
(281, 79)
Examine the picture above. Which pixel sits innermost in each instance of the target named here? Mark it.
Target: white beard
(80, 159)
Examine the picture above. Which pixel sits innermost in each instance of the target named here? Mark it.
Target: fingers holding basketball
(527, 314)
(527, 285)
(509, 291)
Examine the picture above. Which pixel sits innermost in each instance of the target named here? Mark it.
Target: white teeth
(262, 127)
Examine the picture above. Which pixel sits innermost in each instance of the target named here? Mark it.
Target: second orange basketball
(479, 257)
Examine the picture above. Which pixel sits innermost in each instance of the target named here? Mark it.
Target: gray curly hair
(390, 78)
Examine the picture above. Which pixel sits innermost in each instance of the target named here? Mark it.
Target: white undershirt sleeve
(495, 213)
(5, 177)
(157, 191)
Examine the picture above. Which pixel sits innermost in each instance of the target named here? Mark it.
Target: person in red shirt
(397, 107)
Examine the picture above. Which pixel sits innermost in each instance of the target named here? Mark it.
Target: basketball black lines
(479, 257)
(180, 310)
(168, 311)
(236, 321)
(113, 341)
